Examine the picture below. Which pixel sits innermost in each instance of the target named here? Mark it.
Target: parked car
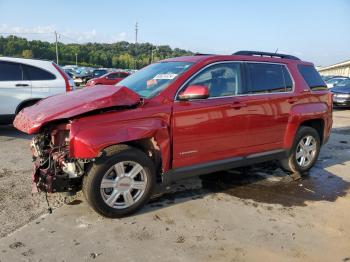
(325, 78)
(335, 80)
(81, 76)
(23, 82)
(69, 72)
(341, 93)
(99, 72)
(108, 79)
(175, 119)
(91, 75)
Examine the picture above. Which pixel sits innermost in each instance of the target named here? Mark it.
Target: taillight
(65, 77)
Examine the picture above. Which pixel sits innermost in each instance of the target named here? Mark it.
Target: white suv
(23, 82)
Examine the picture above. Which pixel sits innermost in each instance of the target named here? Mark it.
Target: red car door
(214, 128)
(268, 105)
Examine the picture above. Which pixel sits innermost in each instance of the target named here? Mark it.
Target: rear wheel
(120, 183)
(304, 152)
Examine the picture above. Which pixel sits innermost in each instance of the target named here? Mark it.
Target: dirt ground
(251, 214)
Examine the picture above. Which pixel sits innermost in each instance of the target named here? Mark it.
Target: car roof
(200, 58)
(28, 61)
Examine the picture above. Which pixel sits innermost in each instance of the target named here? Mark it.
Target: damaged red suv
(174, 119)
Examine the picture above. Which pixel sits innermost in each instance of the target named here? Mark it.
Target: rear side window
(34, 73)
(268, 78)
(123, 75)
(312, 77)
(10, 71)
(113, 76)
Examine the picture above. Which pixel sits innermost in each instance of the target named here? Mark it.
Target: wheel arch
(148, 146)
(317, 124)
(26, 103)
(315, 115)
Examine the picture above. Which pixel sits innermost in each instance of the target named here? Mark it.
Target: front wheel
(304, 152)
(119, 183)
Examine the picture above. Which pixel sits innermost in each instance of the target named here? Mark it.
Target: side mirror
(194, 92)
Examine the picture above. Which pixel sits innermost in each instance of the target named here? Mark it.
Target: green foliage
(27, 53)
(117, 55)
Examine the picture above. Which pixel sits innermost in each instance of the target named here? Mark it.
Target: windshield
(345, 82)
(334, 80)
(98, 73)
(151, 80)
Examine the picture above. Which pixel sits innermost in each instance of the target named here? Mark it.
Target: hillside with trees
(118, 55)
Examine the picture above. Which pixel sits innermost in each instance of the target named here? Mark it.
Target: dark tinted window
(10, 71)
(123, 75)
(312, 77)
(34, 73)
(266, 78)
(99, 72)
(113, 76)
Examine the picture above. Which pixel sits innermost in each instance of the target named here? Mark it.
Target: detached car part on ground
(174, 119)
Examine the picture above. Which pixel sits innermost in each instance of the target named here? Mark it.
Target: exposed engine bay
(54, 170)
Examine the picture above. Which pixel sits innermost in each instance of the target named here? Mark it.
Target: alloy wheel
(306, 151)
(123, 184)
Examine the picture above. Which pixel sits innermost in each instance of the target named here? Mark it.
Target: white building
(340, 69)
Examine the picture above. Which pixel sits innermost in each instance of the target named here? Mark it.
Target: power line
(24, 33)
(69, 38)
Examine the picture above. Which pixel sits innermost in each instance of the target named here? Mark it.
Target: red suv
(175, 119)
(108, 79)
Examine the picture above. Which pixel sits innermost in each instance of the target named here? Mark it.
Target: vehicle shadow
(9, 132)
(267, 183)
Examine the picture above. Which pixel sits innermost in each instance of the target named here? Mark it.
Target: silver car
(23, 82)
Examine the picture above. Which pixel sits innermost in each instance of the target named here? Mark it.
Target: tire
(294, 164)
(129, 179)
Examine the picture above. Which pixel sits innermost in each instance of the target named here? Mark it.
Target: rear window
(312, 77)
(34, 73)
(10, 71)
(268, 78)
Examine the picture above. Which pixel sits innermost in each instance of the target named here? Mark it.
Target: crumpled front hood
(68, 105)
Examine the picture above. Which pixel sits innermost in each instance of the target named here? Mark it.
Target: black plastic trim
(219, 165)
(6, 119)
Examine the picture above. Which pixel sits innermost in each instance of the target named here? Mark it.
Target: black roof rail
(258, 53)
(199, 54)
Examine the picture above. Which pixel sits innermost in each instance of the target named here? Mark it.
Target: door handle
(238, 105)
(292, 100)
(22, 85)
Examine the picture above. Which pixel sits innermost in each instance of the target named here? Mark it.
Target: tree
(27, 53)
(119, 55)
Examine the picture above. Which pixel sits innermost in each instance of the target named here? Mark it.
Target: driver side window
(222, 79)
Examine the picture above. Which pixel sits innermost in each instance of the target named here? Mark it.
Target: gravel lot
(252, 214)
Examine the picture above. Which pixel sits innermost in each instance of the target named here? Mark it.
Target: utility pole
(56, 48)
(136, 32)
(152, 54)
(76, 59)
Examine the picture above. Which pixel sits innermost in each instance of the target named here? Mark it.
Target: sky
(314, 30)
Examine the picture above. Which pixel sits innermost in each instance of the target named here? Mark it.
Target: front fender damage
(89, 141)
